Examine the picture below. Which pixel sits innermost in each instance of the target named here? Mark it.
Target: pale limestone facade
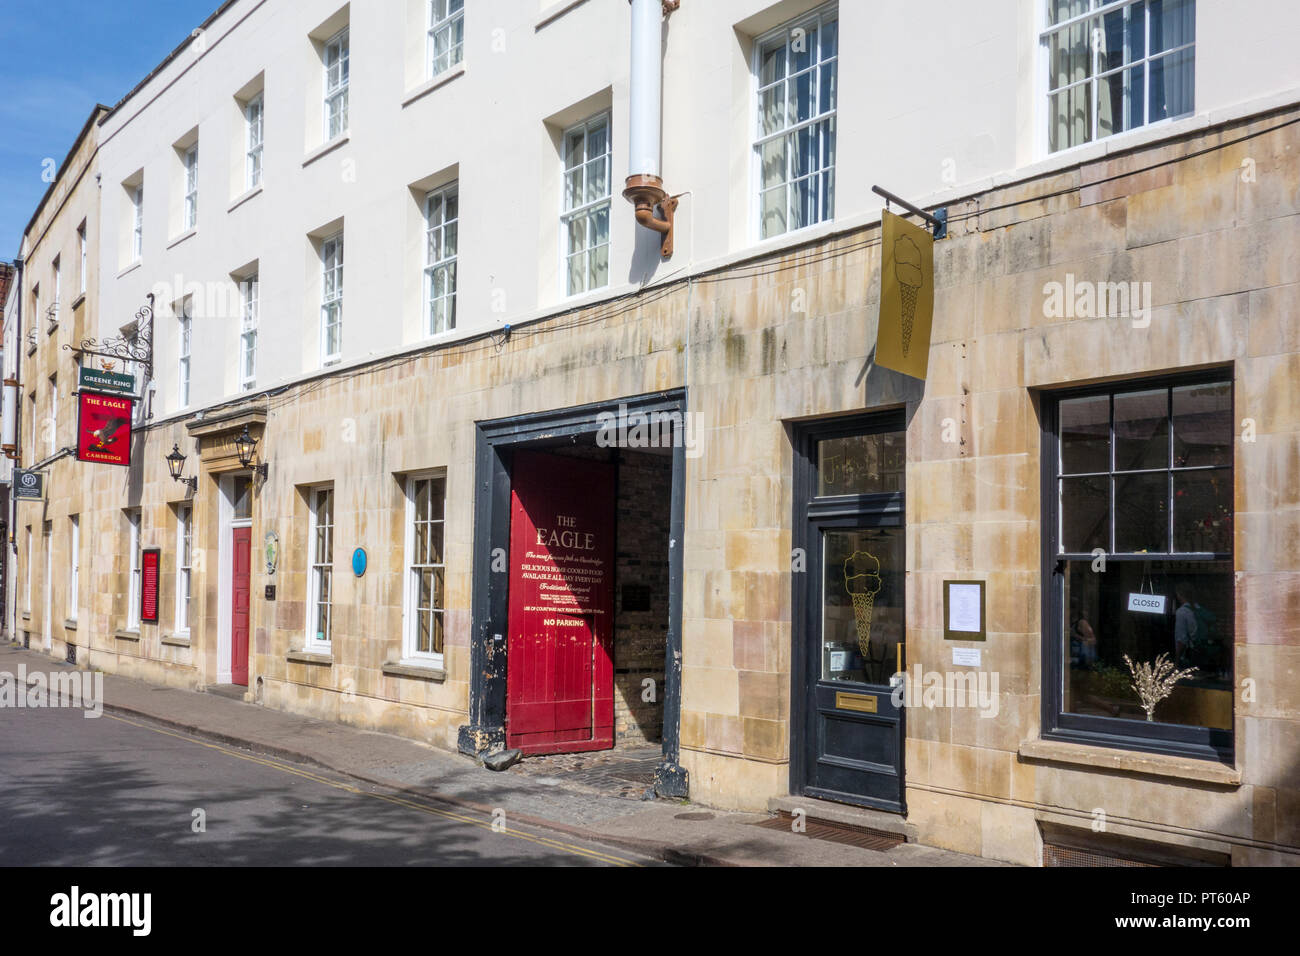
(758, 343)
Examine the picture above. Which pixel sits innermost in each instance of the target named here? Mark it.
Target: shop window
(1139, 539)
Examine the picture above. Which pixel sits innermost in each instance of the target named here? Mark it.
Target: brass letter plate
(865, 703)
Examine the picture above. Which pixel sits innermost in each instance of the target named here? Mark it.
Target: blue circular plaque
(359, 562)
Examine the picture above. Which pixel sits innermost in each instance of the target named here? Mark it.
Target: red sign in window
(150, 560)
(104, 429)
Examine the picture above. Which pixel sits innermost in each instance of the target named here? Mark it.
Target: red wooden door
(560, 653)
(243, 538)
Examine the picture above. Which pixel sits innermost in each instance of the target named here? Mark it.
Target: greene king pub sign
(97, 380)
(104, 429)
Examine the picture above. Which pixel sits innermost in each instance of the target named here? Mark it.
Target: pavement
(570, 799)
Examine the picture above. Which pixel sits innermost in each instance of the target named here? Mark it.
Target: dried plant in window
(1154, 681)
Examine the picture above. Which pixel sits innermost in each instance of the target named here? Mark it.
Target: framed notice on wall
(150, 559)
(963, 611)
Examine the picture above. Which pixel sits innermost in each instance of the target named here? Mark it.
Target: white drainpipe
(644, 187)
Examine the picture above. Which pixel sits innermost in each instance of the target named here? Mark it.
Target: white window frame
(254, 138)
(137, 223)
(28, 584)
(133, 518)
(809, 22)
(184, 565)
(411, 652)
(319, 571)
(331, 306)
(81, 247)
(1044, 93)
(74, 565)
(439, 236)
(336, 91)
(248, 306)
(53, 442)
(445, 17)
(585, 209)
(57, 268)
(184, 334)
(192, 187)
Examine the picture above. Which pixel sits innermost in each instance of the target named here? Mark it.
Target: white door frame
(226, 525)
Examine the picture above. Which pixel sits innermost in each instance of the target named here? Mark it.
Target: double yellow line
(410, 804)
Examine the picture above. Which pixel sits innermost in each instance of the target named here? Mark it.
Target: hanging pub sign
(98, 380)
(28, 485)
(906, 296)
(104, 428)
(150, 559)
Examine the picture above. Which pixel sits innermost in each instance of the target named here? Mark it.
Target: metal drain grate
(1071, 856)
(864, 838)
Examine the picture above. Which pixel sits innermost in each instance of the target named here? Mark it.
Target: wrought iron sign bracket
(137, 349)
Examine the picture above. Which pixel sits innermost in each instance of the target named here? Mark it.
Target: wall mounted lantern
(246, 446)
(176, 465)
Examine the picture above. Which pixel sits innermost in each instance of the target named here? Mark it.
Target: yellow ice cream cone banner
(862, 581)
(906, 296)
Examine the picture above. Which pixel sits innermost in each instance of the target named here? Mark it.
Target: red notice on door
(560, 660)
(104, 429)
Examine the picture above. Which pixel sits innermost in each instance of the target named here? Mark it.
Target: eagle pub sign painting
(104, 428)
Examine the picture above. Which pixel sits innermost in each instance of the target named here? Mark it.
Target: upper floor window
(425, 567)
(184, 328)
(248, 332)
(336, 85)
(192, 187)
(331, 309)
(320, 545)
(253, 116)
(52, 426)
(137, 223)
(585, 217)
(57, 269)
(1114, 65)
(81, 251)
(794, 144)
(442, 213)
(446, 34)
(1142, 477)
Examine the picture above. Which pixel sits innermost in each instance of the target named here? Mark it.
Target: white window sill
(318, 152)
(76, 303)
(188, 233)
(428, 86)
(128, 634)
(430, 670)
(244, 197)
(177, 639)
(1129, 761)
(555, 11)
(69, 623)
(131, 268)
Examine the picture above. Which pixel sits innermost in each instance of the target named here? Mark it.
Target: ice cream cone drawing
(907, 268)
(862, 581)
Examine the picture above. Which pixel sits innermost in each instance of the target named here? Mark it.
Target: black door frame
(496, 442)
(805, 611)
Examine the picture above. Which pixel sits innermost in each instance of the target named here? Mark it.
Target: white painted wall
(926, 86)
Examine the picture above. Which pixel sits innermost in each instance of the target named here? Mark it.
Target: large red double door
(560, 653)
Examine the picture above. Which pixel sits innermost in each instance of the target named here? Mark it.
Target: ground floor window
(133, 597)
(184, 541)
(1139, 542)
(321, 566)
(425, 570)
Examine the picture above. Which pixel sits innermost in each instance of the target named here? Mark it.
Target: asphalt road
(116, 791)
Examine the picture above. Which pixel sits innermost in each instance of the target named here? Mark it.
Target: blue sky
(58, 58)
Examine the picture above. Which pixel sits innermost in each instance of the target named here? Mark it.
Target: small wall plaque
(270, 592)
(359, 562)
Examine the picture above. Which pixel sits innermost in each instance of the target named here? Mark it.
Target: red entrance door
(239, 585)
(560, 654)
